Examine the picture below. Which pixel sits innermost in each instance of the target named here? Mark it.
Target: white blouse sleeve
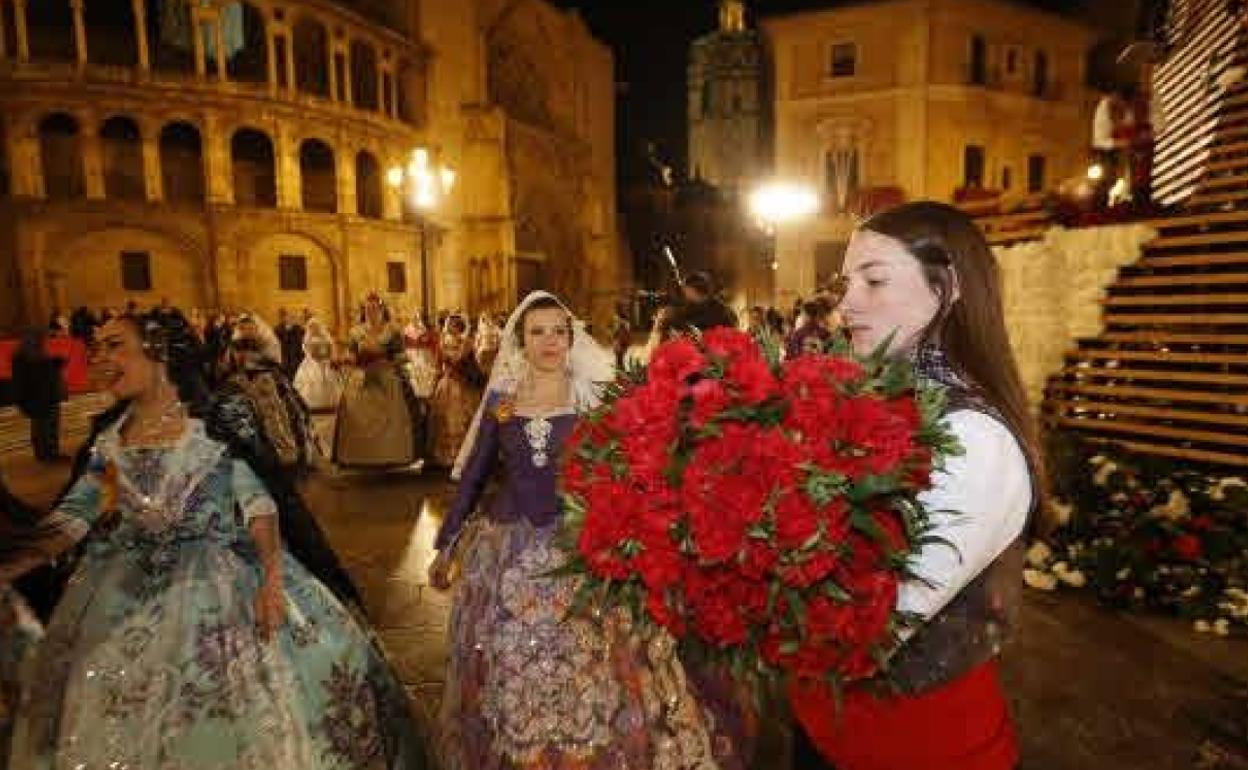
(978, 506)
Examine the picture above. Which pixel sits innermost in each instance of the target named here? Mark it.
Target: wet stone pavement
(1092, 689)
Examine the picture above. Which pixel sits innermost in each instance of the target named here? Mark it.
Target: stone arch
(86, 268)
(254, 164)
(121, 146)
(60, 151)
(311, 51)
(318, 176)
(263, 253)
(182, 163)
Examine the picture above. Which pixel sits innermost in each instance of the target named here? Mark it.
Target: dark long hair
(970, 326)
(169, 339)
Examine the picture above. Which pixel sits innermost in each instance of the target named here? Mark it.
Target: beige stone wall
(909, 111)
(1053, 289)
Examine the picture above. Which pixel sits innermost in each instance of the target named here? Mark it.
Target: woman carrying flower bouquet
(922, 279)
(528, 684)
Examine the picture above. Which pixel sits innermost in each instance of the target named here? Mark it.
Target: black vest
(971, 629)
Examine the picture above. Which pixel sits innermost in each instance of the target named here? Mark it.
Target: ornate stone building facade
(920, 97)
(226, 154)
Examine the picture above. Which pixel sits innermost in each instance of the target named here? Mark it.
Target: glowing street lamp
(781, 203)
(427, 184)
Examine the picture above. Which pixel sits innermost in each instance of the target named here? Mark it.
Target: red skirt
(963, 725)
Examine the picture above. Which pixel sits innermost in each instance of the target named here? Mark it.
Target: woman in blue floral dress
(189, 638)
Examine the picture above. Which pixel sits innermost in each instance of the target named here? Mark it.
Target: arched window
(182, 164)
(60, 150)
(49, 30)
(364, 76)
(248, 49)
(122, 148)
(311, 56)
(319, 177)
(255, 177)
(368, 190)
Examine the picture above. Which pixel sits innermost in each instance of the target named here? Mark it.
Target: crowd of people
(208, 623)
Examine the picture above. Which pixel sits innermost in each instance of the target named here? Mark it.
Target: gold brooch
(504, 410)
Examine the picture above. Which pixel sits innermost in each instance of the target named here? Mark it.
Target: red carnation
(727, 343)
(753, 379)
(1187, 547)
(675, 362)
(709, 399)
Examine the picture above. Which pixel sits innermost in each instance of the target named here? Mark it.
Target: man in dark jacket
(290, 336)
(38, 390)
(701, 310)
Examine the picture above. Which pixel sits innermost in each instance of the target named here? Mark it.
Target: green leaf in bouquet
(897, 377)
(873, 486)
(836, 593)
(797, 605)
(838, 345)
(823, 487)
(772, 352)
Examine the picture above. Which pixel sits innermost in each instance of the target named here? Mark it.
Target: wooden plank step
(1160, 394)
(1181, 279)
(1185, 319)
(1198, 219)
(1218, 149)
(1186, 260)
(1166, 338)
(1229, 164)
(1168, 356)
(1148, 300)
(1221, 184)
(1149, 429)
(1173, 452)
(1214, 199)
(1157, 375)
(1157, 412)
(1229, 134)
(1201, 239)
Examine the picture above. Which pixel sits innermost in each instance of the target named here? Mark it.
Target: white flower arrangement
(1176, 508)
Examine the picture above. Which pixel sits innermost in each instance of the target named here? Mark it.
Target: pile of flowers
(763, 513)
(1145, 533)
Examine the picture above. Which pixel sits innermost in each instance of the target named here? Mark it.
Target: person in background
(621, 333)
(38, 390)
(813, 336)
(290, 336)
(701, 309)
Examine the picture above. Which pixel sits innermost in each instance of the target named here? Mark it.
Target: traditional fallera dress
(318, 380)
(528, 685)
(454, 400)
(20, 633)
(422, 357)
(153, 659)
(282, 412)
(379, 415)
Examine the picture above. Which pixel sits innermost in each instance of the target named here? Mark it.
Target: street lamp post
(427, 184)
(780, 203)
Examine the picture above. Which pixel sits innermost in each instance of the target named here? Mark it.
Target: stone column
(270, 45)
(140, 33)
(291, 84)
(92, 157)
(153, 187)
(4, 45)
(19, 30)
(347, 203)
(287, 160)
(391, 199)
(394, 94)
(24, 154)
(197, 38)
(218, 171)
(80, 32)
(331, 50)
(346, 72)
(219, 34)
(381, 90)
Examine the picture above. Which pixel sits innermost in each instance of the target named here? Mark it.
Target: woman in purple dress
(529, 684)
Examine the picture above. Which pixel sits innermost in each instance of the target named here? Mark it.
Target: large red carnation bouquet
(762, 512)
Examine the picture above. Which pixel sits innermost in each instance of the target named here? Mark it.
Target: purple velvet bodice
(511, 450)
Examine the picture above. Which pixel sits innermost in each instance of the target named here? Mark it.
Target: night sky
(651, 40)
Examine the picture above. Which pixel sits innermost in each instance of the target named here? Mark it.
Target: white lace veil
(590, 366)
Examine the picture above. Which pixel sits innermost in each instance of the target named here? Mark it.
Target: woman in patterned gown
(379, 415)
(528, 685)
(189, 638)
(456, 395)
